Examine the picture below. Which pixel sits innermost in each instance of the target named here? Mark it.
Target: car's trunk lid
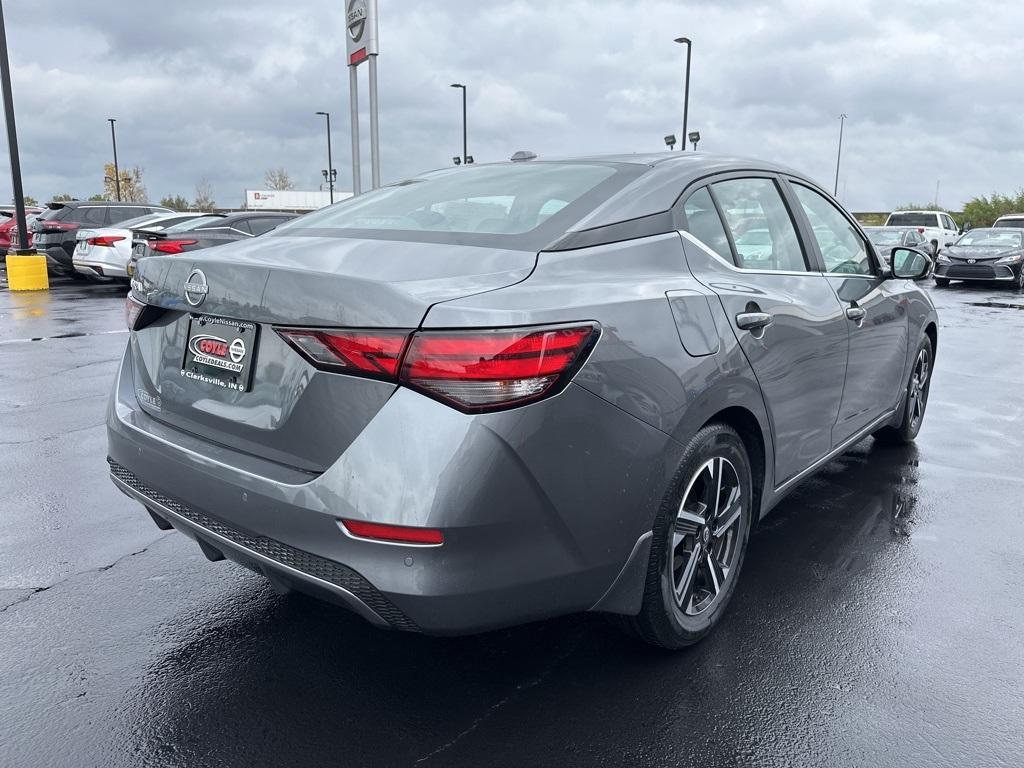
(293, 413)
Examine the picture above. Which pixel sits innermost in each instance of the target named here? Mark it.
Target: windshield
(191, 224)
(991, 238)
(912, 220)
(885, 236)
(487, 200)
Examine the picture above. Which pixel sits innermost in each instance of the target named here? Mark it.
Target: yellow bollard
(27, 272)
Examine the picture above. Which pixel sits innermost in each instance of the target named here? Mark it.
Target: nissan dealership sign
(361, 23)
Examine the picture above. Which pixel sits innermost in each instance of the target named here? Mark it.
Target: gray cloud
(227, 90)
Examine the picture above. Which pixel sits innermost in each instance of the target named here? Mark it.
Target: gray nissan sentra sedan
(499, 393)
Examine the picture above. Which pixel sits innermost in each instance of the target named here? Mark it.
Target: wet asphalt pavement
(878, 620)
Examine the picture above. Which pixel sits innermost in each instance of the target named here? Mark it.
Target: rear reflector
(402, 534)
(368, 353)
(106, 241)
(170, 246)
(471, 370)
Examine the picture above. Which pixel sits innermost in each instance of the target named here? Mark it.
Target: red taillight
(48, 227)
(367, 353)
(402, 534)
(106, 241)
(481, 370)
(920, 230)
(132, 310)
(170, 246)
(472, 370)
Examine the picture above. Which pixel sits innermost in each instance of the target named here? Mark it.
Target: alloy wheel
(919, 387)
(706, 536)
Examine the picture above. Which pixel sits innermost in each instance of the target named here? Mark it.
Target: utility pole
(839, 153)
(465, 146)
(12, 139)
(117, 173)
(686, 91)
(330, 163)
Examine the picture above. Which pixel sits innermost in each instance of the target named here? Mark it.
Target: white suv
(936, 226)
(1010, 220)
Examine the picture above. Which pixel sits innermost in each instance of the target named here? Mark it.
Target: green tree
(132, 188)
(175, 203)
(983, 211)
(29, 200)
(204, 197)
(63, 198)
(97, 197)
(922, 207)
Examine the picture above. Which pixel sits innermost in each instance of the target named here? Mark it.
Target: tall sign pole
(12, 138)
(361, 45)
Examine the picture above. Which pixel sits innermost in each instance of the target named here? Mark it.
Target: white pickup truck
(936, 226)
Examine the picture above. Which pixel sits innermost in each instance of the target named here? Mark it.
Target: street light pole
(117, 173)
(12, 138)
(330, 163)
(839, 154)
(686, 92)
(465, 147)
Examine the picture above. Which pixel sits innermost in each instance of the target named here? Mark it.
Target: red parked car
(8, 221)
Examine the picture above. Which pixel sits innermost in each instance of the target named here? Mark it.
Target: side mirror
(948, 244)
(909, 264)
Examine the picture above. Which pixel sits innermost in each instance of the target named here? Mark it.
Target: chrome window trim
(741, 270)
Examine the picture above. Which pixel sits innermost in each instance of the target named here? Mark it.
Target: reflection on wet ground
(877, 621)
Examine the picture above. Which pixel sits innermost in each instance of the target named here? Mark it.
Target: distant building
(290, 199)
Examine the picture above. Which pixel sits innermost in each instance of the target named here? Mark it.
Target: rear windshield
(53, 214)
(515, 205)
(885, 236)
(1017, 223)
(191, 224)
(912, 220)
(138, 220)
(991, 238)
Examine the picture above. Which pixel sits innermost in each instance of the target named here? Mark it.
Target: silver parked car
(499, 393)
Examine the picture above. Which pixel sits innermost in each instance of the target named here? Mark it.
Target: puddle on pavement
(996, 304)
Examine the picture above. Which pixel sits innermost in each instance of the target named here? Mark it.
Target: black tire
(665, 619)
(942, 282)
(1019, 282)
(915, 400)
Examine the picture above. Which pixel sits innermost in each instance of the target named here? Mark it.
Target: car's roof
(898, 212)
(100, 203)
(1011, 216)
(892, 229)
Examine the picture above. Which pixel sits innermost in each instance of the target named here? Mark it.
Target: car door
(875, 308)
(783, 311)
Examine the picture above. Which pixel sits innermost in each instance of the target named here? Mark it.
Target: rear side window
(755, 212)
(704, 223)
(842, 248)
(260, 226)
(93, 217)
(119, 214)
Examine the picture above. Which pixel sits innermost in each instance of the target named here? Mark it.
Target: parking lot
(878, 620)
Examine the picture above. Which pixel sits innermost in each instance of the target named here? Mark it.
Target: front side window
(760, 224)
(842, 248)
(704, 223)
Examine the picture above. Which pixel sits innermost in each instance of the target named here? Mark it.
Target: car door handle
(856, 314)
(752, 321)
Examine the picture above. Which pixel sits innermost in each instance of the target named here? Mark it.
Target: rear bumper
(541, 507)
(103, 267)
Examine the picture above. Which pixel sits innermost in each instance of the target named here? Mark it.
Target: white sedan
(105, 252)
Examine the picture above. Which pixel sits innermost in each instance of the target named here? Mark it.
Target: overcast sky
(227, 89)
